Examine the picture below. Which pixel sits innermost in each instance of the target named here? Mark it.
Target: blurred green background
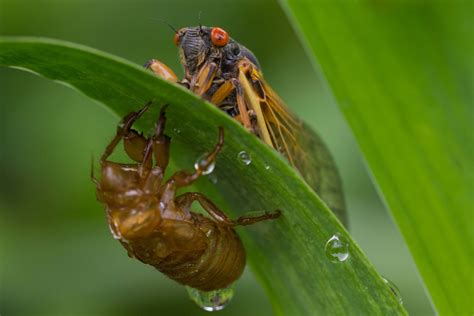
(56, 253)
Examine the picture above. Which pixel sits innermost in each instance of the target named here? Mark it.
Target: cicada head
(202, 43)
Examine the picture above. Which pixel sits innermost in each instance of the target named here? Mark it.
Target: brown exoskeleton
(156, 226)
(227, 74)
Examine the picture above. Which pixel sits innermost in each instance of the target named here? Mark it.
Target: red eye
(219, 37)
(176, 38)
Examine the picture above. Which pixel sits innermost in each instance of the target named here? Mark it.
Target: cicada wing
(303, 148)
(314, 160)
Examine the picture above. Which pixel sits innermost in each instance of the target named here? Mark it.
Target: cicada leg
(185, 200)
(124, 130)
(249, 220)
(159, 145)
(203, 80)
(161, 70)
(243, 108)
(245, 68)
(183, 178)
(161, 142)
(224, 91)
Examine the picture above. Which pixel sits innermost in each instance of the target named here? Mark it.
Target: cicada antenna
(166, 23)
(199, 20)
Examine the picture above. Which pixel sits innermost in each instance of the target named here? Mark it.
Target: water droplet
(337, 248)
(200, 164)
(213, 178)
(244, 158)
(177, 130)
(394, 289)
(213, 300)
(267, 167)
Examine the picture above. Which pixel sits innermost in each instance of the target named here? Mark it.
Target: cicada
(156, 225)
(227, 74)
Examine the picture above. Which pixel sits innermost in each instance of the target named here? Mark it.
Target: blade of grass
(288, 255)
(402, 73)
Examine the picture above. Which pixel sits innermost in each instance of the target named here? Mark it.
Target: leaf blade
(400, 73)
(288, 254)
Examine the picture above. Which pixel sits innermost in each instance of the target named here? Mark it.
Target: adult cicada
(227, 74)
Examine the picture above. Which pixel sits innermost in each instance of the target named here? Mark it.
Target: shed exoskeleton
(156, 226)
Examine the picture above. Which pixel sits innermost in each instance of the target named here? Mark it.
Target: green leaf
(287, 255)
(402, 73)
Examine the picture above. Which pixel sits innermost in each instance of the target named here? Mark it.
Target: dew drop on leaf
(200, 164)
(337, 248)
(213, 300)
(394, 289)
(244, 158)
